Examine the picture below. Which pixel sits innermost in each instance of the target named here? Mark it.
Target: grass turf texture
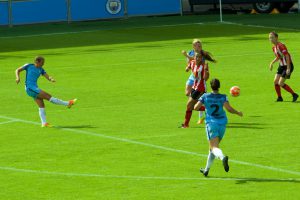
(121, 140)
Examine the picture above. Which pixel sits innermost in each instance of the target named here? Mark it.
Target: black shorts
(195, 94)
(282, 71)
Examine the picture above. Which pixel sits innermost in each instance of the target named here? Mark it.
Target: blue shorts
(191, 80)
(32, 91)
(214, 130)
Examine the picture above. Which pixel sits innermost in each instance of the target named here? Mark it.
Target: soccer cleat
(72, 102)
(204, 172)
(183, 126)
(279, 99)
(201, 120)
(46, 125)
(225, 163)
(295, 97)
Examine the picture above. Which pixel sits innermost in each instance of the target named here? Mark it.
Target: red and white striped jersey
(280, 52)
(198, 71)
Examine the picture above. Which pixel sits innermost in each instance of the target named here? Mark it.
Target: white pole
(10, 17)
(125, 8)
(298, 6)
(221, 14)
(181, 6)
(69, 14)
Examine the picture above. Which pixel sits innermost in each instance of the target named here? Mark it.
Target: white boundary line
(95, 30)
(261, 26)
(143, 27)
(157, 146)
(7, 122)
(151, 61)
(13, 169)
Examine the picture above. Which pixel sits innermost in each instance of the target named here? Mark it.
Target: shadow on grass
(133, 30)
(247, 125)
(262, 180)
(243, 125)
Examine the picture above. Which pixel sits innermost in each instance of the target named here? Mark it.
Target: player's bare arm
(272, 63)
(18, 71)
(206, 72)
(232, 110)
(184, 53)
(288, 62)
(49, 78)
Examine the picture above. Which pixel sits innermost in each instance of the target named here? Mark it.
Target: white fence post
(10, 17)
(69, 14)
(221, 13)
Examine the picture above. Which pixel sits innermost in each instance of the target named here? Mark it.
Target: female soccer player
(33, 72)
(201, 74)
(197, 47)
(216, 121)
(285, 68)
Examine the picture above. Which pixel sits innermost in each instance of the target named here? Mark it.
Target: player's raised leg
(45, 95)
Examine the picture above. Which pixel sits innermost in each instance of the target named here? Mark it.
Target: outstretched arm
(18, 71)
(49, 78)
(184, 53)
(232, 110)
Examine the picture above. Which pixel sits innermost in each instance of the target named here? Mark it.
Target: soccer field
(121, 140)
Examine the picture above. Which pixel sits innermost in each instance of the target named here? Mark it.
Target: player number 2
(215, 112)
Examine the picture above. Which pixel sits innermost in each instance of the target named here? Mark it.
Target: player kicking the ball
(216, 121)
(33, 72)
(285, 68)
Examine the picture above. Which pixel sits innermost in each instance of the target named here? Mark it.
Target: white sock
(218, 153)
(58, 101)
(201, 114)
(42, 114)
(210, 160)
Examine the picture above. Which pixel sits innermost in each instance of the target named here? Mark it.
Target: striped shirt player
(285, 67)
(216, 121)
(201, 74)
(281, 52)
(191, 79)
(33, 72)
(198, 71)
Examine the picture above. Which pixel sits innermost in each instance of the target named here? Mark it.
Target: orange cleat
(201, 120)
(72, 102)
(46, 125)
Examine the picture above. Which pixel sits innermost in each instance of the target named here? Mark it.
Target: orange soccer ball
(235, 91)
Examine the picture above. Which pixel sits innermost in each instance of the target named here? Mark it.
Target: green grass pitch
(122, 141)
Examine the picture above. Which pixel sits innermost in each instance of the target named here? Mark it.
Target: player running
(33, 72)
(201, 74)
(216, 121)
(285, 68)
(197, 48)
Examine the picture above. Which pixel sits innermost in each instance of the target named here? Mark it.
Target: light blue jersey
(216, 118)
(32, 75)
